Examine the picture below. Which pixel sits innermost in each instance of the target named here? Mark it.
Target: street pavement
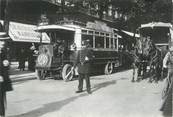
(16, 75)
(112, 96)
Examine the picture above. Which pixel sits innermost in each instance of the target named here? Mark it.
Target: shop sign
(25, 33)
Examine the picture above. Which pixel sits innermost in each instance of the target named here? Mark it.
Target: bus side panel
(101, 58)
(44, 59)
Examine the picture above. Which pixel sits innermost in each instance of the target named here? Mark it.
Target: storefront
(23, 36)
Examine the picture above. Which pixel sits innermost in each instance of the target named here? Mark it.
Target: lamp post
(172, 12)
(6, 16)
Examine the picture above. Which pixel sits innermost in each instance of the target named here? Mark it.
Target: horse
(143, 47)
(147, 54)
(155, 65)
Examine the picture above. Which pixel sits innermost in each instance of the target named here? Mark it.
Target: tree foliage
(144, 11)
(136, 11)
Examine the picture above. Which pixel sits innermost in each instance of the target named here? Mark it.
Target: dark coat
(6, 84)
(31, 60)
(84, 60)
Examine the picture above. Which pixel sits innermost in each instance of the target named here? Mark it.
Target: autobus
(160, 33)
(104, 43)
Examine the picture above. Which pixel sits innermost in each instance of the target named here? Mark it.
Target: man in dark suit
(84, 59)
(5, 82)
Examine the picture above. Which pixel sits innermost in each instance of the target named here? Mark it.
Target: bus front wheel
(109, 68)
(67, 72)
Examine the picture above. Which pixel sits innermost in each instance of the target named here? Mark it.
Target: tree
(144, 11)
(133, 12)
(98, 7)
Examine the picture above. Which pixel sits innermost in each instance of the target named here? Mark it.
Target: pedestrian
(135, 62)
(31, 58)
(168, 84)
(5, 82)
(84, 59)
(22, 58)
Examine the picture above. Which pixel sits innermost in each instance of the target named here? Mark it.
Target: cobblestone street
(112, 96)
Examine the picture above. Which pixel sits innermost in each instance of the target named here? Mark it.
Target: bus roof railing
(54, 27)
(161, 44)
(62, 22)
(156, 24)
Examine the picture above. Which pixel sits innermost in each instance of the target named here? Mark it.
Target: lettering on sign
(24, 32)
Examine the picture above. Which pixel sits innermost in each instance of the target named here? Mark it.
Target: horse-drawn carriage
(151, 47)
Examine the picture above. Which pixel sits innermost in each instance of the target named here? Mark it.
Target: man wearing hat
(167, 90)
(5, 82)
(84, 59)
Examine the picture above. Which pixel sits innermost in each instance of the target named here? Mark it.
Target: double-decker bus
(103, 41)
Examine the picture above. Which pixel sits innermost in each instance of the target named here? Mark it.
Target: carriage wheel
(109, 68)
(41, 74)
(67, 72)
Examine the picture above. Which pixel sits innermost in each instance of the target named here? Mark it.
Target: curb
(23, 77)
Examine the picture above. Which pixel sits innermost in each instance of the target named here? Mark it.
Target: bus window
(84, 31)
(91, 32)
(88, 37)
(107, 42)
(115, 43)
(99, 42)
(112, 43)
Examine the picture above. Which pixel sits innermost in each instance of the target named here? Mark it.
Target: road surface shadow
(102, 85)
(50, 107)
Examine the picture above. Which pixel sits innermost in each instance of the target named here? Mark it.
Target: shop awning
(25, 33)
(156, 24)
(130, 34)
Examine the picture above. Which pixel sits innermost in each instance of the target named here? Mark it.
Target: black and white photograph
(86, 58)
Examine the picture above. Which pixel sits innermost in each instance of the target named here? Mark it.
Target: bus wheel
(109, 68)
(67, 72)
(41, 74)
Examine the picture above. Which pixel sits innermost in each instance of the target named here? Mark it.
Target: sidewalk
(17, 75)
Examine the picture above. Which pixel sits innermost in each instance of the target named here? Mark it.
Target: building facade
(41, 12)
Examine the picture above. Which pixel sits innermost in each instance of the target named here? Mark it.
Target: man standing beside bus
(84, 59)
